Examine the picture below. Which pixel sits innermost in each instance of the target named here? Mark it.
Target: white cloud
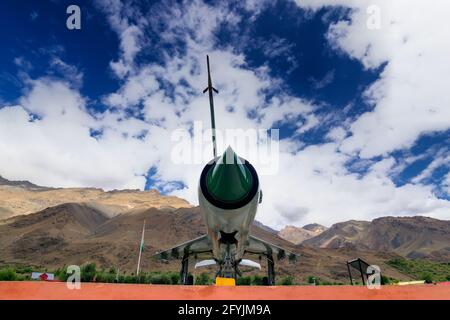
(326, 80)
(135, 89)
(54, 99)
(446, 183)
(441, 158)
(119, 16)
(58, 149)
(411, 97)
(313, 181)
(316, 181)
(337, 134)
(68, 71)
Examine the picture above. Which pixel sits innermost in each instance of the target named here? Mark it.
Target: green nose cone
(229, 180)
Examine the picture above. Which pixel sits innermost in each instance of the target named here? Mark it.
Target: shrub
(203, 279)
(23, 277)
(8, 274)
(287, 281)
(174, 278)
(419, 269)
(257, 281)
(61, 274)
(158, 278)
(141, 278)
(244, 281)
(312, 280)
(24, 269)
(428, 277)
(130, 279)
(88, 272)
(105, 277)
(385, 280)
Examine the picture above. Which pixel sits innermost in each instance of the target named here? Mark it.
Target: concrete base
(33, 290)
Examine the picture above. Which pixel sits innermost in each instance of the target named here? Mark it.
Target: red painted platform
(36, 290)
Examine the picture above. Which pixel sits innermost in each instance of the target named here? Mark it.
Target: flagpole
(140, 249)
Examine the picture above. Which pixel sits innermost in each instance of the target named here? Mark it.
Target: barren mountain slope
(339, 235)
(24, 197)
(295, 235)
(77, 234)
(315, 227)
(412, 237)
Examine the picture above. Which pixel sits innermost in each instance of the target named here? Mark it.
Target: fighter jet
(229, 194)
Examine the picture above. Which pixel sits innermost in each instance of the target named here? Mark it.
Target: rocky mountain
(21, 184)
(315, 227)
(411, 237)
(263, 226)
(23, 197)
(77, 233)
(53, 227)
(339, 235)
(297, 235)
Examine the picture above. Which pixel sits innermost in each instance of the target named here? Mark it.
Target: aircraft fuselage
(229, 194)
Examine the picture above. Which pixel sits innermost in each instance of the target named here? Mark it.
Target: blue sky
(362, 113)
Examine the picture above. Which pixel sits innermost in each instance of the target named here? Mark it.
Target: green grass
(422, 269)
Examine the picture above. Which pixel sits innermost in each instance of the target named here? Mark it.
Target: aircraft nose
(229, 180)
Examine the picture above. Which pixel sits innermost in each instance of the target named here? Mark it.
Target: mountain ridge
(23, 197)
(76, 234)
(297, 235)
(411, 237)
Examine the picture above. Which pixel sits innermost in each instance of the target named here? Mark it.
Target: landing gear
(228, 269)
(270, 271)
(185, 278)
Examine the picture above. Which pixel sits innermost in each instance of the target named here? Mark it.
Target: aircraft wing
(258, 246)
(196, 246)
